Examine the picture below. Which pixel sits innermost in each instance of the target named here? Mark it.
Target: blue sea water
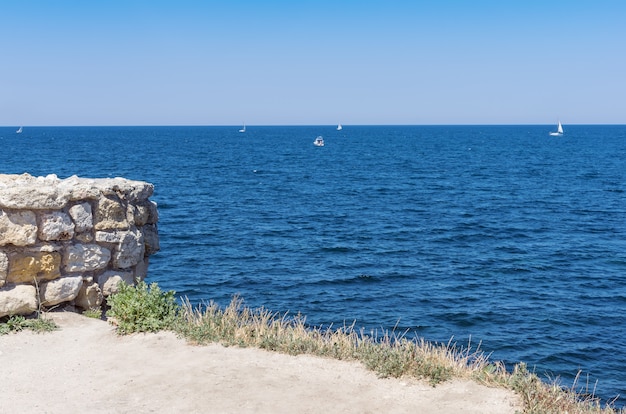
(501, 235)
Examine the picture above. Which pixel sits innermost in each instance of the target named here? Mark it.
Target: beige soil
(85, 367)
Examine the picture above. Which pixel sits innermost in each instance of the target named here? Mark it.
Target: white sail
(339, 127)
(559, 131)
(19, 131)
(243, 129)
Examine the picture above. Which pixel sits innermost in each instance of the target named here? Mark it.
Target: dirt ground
(86, 367)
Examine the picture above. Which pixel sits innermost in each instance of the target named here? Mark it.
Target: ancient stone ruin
(72, 240)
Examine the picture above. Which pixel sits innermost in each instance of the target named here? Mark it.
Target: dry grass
(388, 354)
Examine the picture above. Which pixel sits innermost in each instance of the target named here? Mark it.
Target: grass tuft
(17, 323)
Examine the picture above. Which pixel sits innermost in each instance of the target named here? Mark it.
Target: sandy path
(86, 367)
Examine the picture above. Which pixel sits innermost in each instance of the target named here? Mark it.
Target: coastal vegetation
(18, 323)
(146, 308)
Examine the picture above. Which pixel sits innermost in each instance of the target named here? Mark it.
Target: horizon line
(292, 125)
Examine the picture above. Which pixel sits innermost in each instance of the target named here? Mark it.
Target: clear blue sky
(185, 62)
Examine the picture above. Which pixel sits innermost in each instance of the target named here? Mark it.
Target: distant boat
(339, 127)
(19, 131)
(319, 141)
(243, 129)
(559, 131)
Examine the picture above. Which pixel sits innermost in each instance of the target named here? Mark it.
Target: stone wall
(72, 240)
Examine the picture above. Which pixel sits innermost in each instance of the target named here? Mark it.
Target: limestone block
(18, 300)
(85, 257)
(56, 225)
(110, 214)
(128, 190)
(141, 214)
(60, 290)
(154, 213)
(141, 269)
(26, 266)
(110, 280)
(84, 237)
(130, 250)
(18, 228)
(80, 188)
(151, 237)
(4, 268)
(129, 246)
(90, 296)
(82, 216)
(28, 192)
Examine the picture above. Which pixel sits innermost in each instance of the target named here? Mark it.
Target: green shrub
(18, 323)
(142, 308)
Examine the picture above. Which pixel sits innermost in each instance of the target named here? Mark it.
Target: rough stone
(129, 246)
(28, 192)
(86, 257)
(90, 295)
(82, 216)
(18, 300)
(154, 213)
(132, 191)
(4, 268)
(58, 235)
(141, 214)
(18, 228)
(60, 290)
(151, 238)
(130, 250)
(110, 280)
(25, 267)
(141, 269)
(110, 214)
(56, 225)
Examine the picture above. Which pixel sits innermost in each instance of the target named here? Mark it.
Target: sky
(274, 62)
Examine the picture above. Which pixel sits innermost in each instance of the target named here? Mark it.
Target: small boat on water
(319, 141)
(244, 128)
(559, 131)
(339, 127)
(19, 131)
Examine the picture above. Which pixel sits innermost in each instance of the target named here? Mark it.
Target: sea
(497, 237)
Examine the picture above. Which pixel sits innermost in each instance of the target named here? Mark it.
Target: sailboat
(244, 128)
(559, 131)
(339, 127)
(19, 131)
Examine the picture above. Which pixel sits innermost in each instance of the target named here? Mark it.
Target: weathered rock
(110, 214)
(110, 280)
(26, 267)
(18, 300)
(90, 295)
(129, 246)
(85, 257)
(18, 228)
(55, 232)
(56, 225)
(60, 290)
(141, 270)
(28, 192)
(141, 214)
(128, 190)
(4, 268)
(146, 213)
(151, 238)
(82, 216)
(130, 250)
